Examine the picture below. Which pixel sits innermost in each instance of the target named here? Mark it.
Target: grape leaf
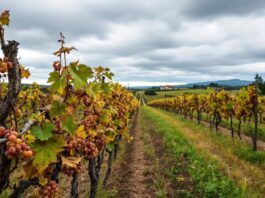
(106, 87)
(46, 152)
(110, 146)
(29, 138)
(93, 89)
(57, 108)
(69, 125)
(80, 132)
(4, 18)
(71, 161)
(24, 72)
(105, 116)
(43, 132)
(80, 74)
(58, 82)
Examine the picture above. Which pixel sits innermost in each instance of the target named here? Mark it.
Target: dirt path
(131, 177)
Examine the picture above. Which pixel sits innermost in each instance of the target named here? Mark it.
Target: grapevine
(58, 130)
(218, 105)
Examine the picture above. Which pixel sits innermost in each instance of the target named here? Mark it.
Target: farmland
(163, 94)
(84, 135)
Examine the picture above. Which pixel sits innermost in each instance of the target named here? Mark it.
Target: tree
(261, 84)
(150, 92)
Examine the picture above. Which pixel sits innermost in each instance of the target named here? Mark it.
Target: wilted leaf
(24, 72)
(4, 18)
(71, 161)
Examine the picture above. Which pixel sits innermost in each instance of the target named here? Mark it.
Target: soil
(132, 182)
(137, 175)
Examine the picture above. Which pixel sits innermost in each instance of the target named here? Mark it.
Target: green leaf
(93, 89)
(110, 146)
(57, 109)
(109, 75)
(106, 87)
(69, 125)
(58, 82)
(80, 74)
(46, 152)
(105, 116)
(44, 132)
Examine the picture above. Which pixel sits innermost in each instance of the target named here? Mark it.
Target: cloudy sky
(144, 41)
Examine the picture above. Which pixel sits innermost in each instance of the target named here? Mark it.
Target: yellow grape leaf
(24, 72)
(92, 133)
(29, 138)
(40, 118)
(43, 181)
(80, 132)
(71, 161)
(109, 139)
(4, 18)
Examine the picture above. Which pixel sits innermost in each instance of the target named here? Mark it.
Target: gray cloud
(145, 41)
(217, 8)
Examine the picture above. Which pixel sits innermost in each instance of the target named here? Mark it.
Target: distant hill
(231, 83)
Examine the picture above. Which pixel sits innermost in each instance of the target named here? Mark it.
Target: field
(173, 157)
(162, 94)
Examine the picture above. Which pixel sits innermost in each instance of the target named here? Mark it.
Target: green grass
(241, 149)
(209, 181)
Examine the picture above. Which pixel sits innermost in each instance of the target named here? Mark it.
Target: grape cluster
(83, 146)
(58, 129)
(90, 121)
(5, 65)
(100, 141)
(87, 101)
(16, 146)
(49, 190)
(69, 171)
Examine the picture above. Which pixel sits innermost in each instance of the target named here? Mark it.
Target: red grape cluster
(69, 171)
(100, 142)
(5, 65)
(16, 146)
(58, 128)
(49, 190)
(90, 121)
(85, 146)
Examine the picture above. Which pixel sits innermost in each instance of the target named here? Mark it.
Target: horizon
(158, 43)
